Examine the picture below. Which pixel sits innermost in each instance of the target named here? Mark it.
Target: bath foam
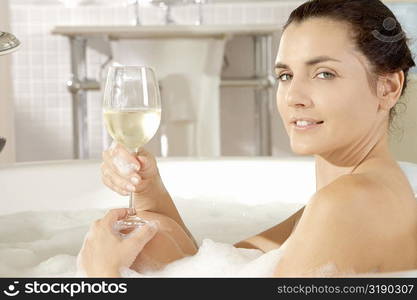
(215, 259)
(46, 244)
(39, 244)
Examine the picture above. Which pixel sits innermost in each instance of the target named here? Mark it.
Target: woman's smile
(304, 126)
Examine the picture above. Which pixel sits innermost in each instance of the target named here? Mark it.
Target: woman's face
(322, 77)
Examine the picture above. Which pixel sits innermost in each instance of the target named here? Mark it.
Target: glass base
(126, 226)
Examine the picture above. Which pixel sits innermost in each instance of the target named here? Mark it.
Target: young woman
(342, 66)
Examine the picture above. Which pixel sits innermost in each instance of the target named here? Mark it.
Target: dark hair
(375, 31)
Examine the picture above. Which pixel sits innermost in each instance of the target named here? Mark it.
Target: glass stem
(132, 210)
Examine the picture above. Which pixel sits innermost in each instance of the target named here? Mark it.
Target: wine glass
(132, 113)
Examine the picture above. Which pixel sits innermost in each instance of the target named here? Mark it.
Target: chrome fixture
(2, 143)
(166, 5)
(8, 43)
(200, 4)
(137, 18)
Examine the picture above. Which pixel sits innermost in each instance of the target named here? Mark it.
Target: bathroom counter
(162, 31)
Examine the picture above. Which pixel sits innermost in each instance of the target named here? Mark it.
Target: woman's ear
(389, 89)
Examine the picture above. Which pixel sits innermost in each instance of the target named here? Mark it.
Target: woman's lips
(307, 127)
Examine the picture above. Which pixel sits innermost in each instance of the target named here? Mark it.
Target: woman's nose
(297, 96)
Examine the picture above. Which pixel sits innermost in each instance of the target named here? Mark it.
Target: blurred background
(213, 102)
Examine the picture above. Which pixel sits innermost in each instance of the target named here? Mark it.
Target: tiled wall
(42, 67)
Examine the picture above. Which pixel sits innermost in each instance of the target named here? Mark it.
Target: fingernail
(130, 187)
(134, 167)
(134, 180)
(121, 165)
(113, 147)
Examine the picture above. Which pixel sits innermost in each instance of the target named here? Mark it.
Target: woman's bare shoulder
(335, 228)
(361, 181)
(356, 199)
(367, 195)
(352, 223)
(354, 195)
(349, 191)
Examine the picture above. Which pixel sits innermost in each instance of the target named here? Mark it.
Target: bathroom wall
(42, 67)
(404, 142)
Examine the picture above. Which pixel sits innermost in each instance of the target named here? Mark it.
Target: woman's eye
(281, 77)
(327, 75)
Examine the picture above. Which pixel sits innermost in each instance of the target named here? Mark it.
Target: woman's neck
(330, 167)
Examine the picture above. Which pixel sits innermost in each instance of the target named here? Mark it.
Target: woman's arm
(171, 243)
(273, 237)
(164, 206)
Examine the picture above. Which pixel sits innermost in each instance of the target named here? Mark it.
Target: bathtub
(224, 199)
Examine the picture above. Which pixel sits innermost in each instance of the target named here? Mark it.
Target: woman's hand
(125, 172)
(104, 251)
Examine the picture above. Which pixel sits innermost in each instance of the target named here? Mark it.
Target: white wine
(132, 128)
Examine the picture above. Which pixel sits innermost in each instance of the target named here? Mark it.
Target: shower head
(8, 43)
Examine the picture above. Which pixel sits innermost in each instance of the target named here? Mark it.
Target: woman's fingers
(121, 160)
(108, 181)
(114, 215)
(125, 173)
(147, 162)
(142, 235)
(113, 187)
(129, 165)
(118, 183)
